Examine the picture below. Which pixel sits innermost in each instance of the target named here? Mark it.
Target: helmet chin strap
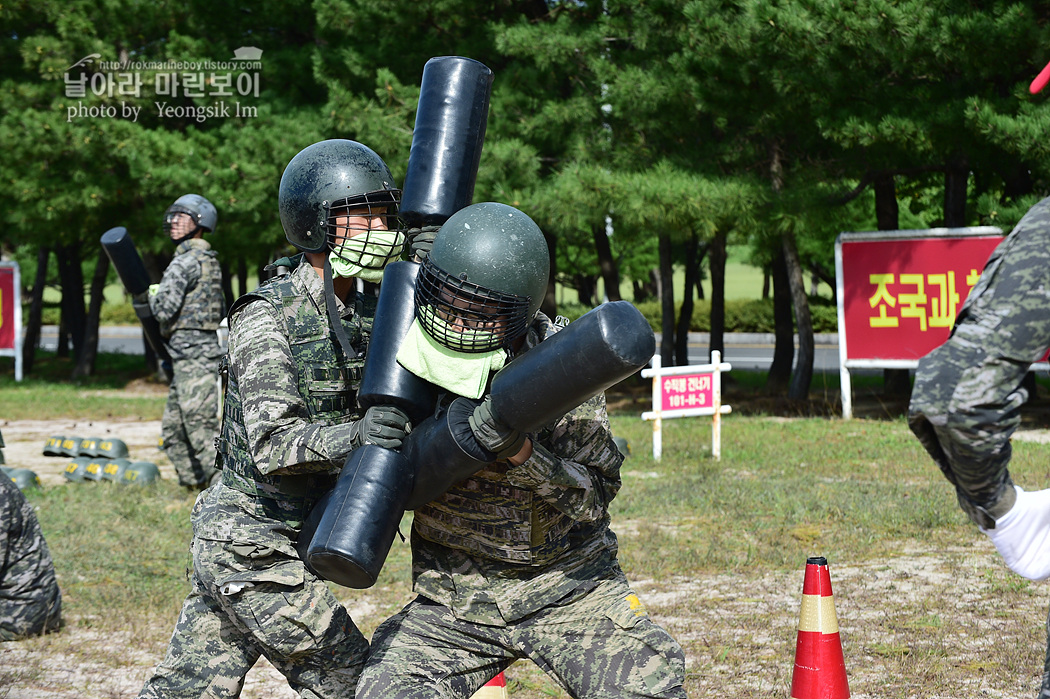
(333, 313)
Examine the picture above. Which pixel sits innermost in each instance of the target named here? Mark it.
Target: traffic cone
(496, 688)
(820, 670)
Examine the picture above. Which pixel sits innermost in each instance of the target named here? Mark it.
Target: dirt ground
(25, 440)
(984, 637)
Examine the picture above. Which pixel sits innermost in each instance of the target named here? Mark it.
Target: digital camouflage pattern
(189, 296)
(30, 601)
(967, 395)
(189, 305)
(252, 599)
(251, 592)
(520, 562)
(280, 385)
(190, 421)
(600, 644)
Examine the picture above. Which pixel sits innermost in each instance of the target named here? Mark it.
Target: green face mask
(364, 256)
(465, 374)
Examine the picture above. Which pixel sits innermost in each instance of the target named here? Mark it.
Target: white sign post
(687, 391)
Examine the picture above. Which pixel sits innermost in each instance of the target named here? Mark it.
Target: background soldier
(289, 422)
(30, 601)
(517, 560)
(967, 397)
(189, 305)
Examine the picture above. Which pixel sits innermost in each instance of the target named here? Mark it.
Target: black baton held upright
(126, 260)
(446, 140)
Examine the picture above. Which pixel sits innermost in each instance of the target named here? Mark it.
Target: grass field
(715, 549)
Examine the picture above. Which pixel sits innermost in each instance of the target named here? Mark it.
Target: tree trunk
(71, 276)
(62, 345)
(717, 263)
(666, 302)
(260, 277)
(647, 290)
(784, 328)
(895, 382)
(701, 253)
(606, 264)
(242, 276)
(586, 288)
(36, 310)
(685, 314)
(85, 365)
(550, 299)
(803, 376)
(227, 284)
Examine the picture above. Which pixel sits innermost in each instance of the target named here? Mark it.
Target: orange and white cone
(820, 670)
(496, 688)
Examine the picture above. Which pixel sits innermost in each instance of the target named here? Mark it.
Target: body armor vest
(486, 515)
(202, 309)
(328, 381)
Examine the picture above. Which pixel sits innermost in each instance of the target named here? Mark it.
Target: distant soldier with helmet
(516, 560)
(189, 306)
(290, 420)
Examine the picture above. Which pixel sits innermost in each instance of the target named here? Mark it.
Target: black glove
(421, 241)
(140, 302)
(385, 426)
(491, 433)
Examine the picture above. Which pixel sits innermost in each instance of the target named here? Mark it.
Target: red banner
(8, 301)
(899, 296)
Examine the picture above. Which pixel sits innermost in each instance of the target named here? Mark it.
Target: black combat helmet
(483, 282)
(197, 207)
(326, 179)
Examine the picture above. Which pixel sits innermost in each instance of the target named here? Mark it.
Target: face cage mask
(169, 219)
(367, 252)
(465, 317)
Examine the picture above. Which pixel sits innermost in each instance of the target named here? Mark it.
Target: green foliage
(675, 118)
(741, 315)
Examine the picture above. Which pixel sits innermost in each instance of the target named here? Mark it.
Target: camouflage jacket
(30, 601)
(566, 485)
(281, 437)
(967, 393)
(189, 303)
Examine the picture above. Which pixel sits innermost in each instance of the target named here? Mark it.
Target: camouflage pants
(600, 645)
(20, 620)
(249, 601)
(1044, 690)
(191, 421)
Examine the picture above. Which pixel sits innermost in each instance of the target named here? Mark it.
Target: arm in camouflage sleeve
(575, 465)
(964, 409)
(276, 418)
(967, 394)
(181, 275)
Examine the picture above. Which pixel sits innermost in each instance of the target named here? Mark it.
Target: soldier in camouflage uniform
(517, 560)
(289, 422)
(30, 601)
(189, 305)
(967, 396)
